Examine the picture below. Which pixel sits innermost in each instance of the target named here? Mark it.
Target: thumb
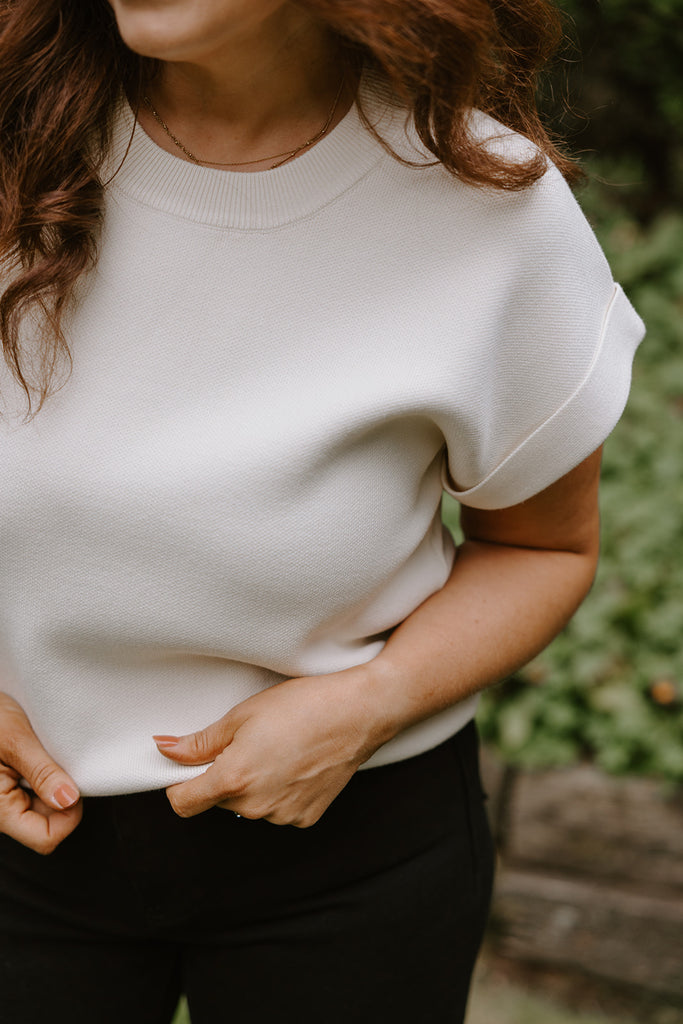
(200, 747)
(21, 749)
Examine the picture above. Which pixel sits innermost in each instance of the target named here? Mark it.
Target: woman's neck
(264, 91)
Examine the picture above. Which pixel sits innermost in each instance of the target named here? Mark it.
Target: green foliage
(623, 74)
(611, 686)
(182, 1014)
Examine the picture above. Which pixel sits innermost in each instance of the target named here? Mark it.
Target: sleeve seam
(459, 494)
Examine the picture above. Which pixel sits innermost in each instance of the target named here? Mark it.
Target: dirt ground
(507, 993)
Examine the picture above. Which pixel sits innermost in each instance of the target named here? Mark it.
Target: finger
(22, 750)
(44, 834)
(206, 791)
(200, 747)
(34, 824)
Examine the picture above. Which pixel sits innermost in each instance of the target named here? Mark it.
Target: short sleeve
(554, 364)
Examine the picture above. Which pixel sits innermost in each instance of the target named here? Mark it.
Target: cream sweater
(273, 375)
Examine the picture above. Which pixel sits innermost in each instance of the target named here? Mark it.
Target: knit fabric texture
(274, 375)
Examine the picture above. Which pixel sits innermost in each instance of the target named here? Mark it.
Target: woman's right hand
(43, 816)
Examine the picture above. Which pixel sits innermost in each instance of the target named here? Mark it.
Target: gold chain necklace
(281, 158)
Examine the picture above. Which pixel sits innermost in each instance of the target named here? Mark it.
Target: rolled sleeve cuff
(577, 428)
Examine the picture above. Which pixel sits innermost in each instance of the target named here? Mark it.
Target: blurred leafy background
(610, 688)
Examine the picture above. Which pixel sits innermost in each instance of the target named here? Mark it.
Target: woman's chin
(184, 30)
(165, 32)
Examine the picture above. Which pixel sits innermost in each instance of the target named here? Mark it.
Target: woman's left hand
(520, 574)
(284, 754)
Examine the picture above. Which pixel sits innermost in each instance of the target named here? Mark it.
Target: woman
(273, 275)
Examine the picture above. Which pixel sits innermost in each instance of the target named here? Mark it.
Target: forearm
(500, 607)
(287, 752)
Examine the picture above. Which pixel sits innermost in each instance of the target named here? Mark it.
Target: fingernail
(65, 796)
(166, 741)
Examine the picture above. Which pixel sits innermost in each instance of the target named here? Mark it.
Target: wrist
(380, 698)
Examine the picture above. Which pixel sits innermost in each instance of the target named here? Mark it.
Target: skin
(286, 753)
(241, 79)
(519, 576)
(40, 819)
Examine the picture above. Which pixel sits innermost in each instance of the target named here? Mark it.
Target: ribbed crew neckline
(254, 200)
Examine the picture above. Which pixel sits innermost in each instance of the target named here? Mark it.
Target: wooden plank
(598, 929)
(583, 822)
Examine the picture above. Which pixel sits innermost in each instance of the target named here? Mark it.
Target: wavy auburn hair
(63, 66)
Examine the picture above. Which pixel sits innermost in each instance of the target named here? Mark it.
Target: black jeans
(374, 914)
